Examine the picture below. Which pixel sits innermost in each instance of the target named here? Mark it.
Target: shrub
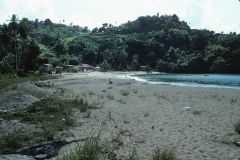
(164, 153)
(93, 148)
(236, 127)
(124, 92)
(83, 105)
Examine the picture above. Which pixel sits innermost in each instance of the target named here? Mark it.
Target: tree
(6, 64)
(5, 36)
(219, 66)
(24, 27)
(47, 22)
(13, 24)
(95, 30)
(122, 55)
(85, 29)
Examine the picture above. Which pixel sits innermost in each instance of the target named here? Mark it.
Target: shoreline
(183, 84)
(154, 115)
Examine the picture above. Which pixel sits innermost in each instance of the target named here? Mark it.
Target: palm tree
(13, 25)
(5, 37)
(18, 30)
(122, 55)
(5, 40)
(24, 27)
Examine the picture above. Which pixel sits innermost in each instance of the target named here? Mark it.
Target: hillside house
(85, 67)
(45, 68)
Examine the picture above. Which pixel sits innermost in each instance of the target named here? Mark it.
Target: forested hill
(162, 43)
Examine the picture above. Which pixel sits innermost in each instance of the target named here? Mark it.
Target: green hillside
(163, 43)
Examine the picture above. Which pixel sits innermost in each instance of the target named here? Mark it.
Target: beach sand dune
(154, 115)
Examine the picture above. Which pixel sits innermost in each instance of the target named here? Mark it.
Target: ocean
(203, 80)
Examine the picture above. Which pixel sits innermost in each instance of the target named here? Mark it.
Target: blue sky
(216, 15)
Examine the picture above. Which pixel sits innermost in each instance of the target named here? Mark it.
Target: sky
(215, 15)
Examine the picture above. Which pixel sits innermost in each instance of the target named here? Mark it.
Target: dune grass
(236, 126)
(49, 116)
(94, 148)
(163, 153)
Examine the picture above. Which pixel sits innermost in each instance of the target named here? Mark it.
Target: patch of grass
(142, 95)
(47, 117)
(93, 148)
(146, 114)
(140, 140)
(83, 104)
(233, 100)
(100, 96)
(110, 97)
(196, 112)
(13, 140)
(90, 93)
(125, 92)
(43, 84)
(84, 94)
(236, 126)
(121, 101)
(135, 91)
(88, 114)
(96, 105)
(125, 120)
(61, 90)
(163, 153)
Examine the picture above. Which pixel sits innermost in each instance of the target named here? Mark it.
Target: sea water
(203, 80)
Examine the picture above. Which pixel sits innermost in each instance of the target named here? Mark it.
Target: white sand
(153, 115)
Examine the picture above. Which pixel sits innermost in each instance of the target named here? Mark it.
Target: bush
(93, 148)
(236, 127)
(163, 153)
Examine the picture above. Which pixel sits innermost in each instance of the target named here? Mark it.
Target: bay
(203, 80)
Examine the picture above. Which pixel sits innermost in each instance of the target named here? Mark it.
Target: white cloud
(30, 9)
(82, 20)
(217, 15)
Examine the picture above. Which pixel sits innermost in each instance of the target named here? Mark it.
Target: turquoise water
(209, 80)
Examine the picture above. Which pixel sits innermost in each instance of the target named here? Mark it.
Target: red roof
(85, 66)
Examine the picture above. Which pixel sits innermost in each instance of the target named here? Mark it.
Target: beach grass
(48, 116)
(94, 148)
(163, 153)
(236, 126)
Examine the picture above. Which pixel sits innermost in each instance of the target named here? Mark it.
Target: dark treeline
(162, 43)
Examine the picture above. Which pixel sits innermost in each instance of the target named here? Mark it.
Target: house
(46, 68)
(59, 70)
(73, 68)
(85, 67)
(143, 68)
(70, 67)
(96, 68)
(82, 34)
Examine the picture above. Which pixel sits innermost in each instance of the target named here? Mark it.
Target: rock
(43, 151)
(237, 144)
(15, 100)
(16, 157)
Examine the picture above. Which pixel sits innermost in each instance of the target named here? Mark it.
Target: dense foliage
(162, 43)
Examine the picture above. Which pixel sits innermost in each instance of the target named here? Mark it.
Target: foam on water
(194, 80)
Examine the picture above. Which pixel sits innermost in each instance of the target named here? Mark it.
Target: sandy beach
(154, 115)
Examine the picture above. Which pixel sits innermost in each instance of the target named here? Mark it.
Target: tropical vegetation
(162, 43)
